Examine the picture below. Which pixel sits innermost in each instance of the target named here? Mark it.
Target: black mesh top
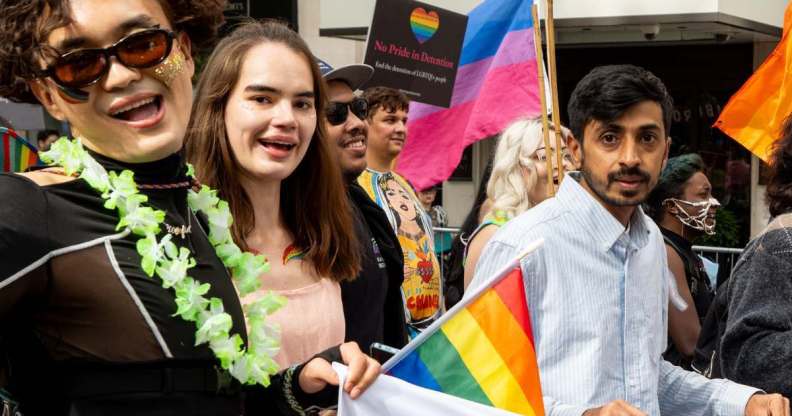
(72, 290)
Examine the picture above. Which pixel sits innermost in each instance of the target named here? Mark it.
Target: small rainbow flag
(15, 152)
(481, 350)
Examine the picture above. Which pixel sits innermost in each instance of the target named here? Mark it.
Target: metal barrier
(724, 256)
(450, 230)
(439, 235)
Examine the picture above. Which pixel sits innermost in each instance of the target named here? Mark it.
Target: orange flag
(754, 115)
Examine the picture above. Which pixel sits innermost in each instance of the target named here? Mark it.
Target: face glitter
(169, 69)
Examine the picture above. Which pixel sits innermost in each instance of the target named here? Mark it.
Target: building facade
(703, 51)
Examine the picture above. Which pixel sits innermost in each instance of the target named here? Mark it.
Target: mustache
(633, 171)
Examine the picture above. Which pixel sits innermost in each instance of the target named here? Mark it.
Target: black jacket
(394, 332)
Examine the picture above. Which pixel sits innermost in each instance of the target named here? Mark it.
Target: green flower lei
(162, 257)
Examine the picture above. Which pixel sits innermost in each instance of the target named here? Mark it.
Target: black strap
(324, 398)
(91, 382)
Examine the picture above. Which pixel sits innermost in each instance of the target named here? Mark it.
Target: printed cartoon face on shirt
(401, 203)
(421, 286)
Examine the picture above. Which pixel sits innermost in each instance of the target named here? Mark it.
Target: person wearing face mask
(517, 183)
(683, 207)
(118, 275)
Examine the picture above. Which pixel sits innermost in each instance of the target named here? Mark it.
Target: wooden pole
(542, 97)
(551, 61)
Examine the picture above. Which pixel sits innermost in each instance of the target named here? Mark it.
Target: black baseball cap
(354, 75)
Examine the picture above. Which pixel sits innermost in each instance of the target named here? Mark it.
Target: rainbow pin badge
(424, 24)
(292, 252)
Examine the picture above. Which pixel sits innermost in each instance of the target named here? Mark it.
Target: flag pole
(551, 60)
(542, 96)
(467, 300)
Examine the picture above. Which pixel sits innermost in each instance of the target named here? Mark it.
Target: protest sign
(415, 47)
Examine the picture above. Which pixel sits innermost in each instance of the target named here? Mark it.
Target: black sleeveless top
(73, 294)
(698, 282)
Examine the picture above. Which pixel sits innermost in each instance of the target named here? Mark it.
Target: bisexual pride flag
(481, 350)
(16, 153)
(496, 83)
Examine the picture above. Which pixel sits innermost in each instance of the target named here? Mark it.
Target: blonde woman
(518, 181)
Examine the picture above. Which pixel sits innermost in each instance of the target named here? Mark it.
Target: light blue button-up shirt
(598, 296)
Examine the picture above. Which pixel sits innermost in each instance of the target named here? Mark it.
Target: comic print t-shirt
(421, 290)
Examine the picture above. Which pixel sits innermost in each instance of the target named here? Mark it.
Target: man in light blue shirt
(598, 290)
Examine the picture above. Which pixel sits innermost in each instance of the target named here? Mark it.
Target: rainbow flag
(496, 83)
(15, 152)
(754, 115)
(481, 350)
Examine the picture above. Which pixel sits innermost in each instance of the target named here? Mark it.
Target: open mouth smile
(141, 113)
(277, 148)
(355, 144)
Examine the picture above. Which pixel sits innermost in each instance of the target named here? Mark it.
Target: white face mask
(700, 221)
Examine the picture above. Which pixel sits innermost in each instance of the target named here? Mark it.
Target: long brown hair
(314, 204)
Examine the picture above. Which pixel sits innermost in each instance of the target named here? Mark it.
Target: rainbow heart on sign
(423, 24)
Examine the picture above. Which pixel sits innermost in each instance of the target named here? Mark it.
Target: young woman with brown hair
(254, 135)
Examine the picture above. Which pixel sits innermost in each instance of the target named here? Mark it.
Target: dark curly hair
(25, 26)
(388, 99)
(671, 183)
(779, 187)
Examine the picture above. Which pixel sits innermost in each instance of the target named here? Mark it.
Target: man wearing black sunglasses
(372, 302)
(346, 115)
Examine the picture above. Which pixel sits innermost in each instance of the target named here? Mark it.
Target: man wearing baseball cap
(373, 306)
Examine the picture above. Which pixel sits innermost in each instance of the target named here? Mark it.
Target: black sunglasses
(83, 67)
(338, 112)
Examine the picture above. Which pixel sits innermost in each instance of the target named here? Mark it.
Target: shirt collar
(601, 224)
(376, 171)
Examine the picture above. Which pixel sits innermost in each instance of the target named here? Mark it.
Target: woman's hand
(363, 370)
